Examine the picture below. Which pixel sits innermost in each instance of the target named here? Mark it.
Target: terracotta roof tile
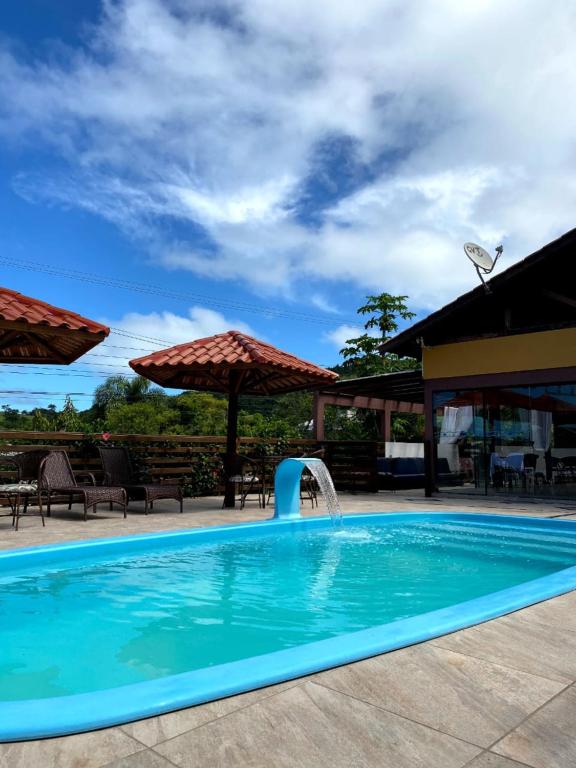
(32, 331)
(186, 365)
(15, 307)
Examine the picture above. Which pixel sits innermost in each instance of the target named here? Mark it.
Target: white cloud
(176, 329)
(340, 335)
(171, 112)
(344, 332)
(320, 301)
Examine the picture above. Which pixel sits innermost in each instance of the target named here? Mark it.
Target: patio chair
(56, 477)
(118, 470)
(27, 467)
(308, 484)
(247, 478)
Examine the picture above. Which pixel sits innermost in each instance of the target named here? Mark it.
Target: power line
(155, 290)
(130, 335)
(88, 375)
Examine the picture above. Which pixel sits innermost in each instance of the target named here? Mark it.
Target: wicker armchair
(56, 477)
(26, 466)
(118, 471)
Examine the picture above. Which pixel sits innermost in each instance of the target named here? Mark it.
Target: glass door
(459, 437)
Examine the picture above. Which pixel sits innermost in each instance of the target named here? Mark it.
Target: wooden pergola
(387, 393)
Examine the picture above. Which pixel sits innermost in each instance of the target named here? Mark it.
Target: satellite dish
(479, 257)
(482, 260)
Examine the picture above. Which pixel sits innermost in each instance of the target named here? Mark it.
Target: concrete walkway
(498, 695)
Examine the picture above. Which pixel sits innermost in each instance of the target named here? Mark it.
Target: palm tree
(122, 389)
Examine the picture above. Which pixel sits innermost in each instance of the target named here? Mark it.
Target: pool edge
(101, 709)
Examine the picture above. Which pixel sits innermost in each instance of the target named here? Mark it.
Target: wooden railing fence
(172, 458)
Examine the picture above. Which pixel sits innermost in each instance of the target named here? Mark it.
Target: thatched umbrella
(32, 331)
(235, 364)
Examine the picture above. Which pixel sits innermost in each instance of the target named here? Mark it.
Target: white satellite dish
(482, 260)
(478, 256)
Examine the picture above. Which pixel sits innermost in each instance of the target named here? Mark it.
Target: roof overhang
(533, 295)
(403, 386)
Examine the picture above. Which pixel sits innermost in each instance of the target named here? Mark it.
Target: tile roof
(207, 363)
(15, 307)
(32, 331)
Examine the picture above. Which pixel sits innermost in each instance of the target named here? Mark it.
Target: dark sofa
(404, 473)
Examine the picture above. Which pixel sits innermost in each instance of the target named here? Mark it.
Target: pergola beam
(386, 408)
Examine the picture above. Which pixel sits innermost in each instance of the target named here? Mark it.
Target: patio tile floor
(490, 760)
(500, 695)
(519, 643)
(460, 695)
(546, 739)
(311, 725)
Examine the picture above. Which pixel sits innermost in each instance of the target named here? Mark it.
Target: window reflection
(513, 440)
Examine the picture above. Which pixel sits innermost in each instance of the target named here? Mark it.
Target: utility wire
(156, 290)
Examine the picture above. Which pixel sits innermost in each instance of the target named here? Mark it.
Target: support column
(231, 448)
(429, 445)
(318, 415)
(386, 422)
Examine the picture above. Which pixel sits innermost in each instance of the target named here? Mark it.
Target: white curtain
(456, 422)
(541, 427)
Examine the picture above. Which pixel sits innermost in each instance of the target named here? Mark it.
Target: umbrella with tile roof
(32, 331)
(236, 364)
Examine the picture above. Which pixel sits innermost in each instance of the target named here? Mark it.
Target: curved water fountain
(287, 488)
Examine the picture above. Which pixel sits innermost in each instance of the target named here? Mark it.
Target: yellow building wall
(503, 354)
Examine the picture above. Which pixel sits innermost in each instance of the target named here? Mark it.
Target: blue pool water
(99, 620)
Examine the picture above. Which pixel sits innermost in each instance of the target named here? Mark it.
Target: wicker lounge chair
(56, 477)
(118, 471)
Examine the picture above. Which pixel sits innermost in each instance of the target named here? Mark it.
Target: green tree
(295, 409)
(12, 418)
(123, 389)
(362, 356)
(68, 419)
(201, 413)
(145, 418)
(43, 420)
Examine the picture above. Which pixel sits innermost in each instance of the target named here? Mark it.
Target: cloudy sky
(181, 167)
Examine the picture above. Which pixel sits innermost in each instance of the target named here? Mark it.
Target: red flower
(105, 435)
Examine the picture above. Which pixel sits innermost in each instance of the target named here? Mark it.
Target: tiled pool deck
(499, 695)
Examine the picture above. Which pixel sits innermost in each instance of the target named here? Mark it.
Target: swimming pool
(102, 632)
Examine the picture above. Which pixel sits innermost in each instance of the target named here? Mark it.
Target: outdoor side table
(14, 493)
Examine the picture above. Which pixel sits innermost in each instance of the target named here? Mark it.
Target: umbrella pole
(231, 440)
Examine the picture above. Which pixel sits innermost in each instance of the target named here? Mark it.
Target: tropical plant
(205, 475)
(68, 420)
(362, 356)
(145, 418)
(124, 390)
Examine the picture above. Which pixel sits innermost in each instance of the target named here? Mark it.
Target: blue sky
(265, 166)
